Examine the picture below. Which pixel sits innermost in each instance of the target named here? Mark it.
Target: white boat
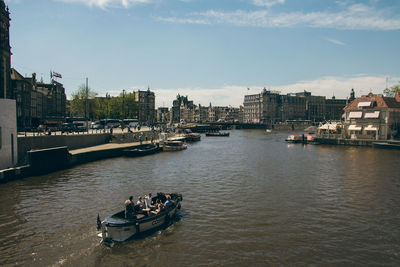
(117, 228)
(173, 146)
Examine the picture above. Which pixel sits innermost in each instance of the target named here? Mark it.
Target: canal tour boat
(117, 228)
(294, 139)
(142, 150)
(217, 134)
(301, 138)
(173, 146)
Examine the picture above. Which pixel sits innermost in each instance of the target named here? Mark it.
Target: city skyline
(213, 51)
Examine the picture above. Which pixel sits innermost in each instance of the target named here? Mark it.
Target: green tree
(123, 106)
(78, 102)
(395, 88)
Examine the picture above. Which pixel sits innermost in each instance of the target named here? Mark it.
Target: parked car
(79, 127)
(96, 125)
(67, 128)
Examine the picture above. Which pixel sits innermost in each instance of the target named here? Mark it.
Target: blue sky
(210, 50)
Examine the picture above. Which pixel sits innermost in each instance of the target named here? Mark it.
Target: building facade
(373, 117)
(162, 115)
(5, 52)
(252, 108)
(146, 106)
(334, 109)
(200, 113)
(270, 107)
(37, 101)
(182, 109)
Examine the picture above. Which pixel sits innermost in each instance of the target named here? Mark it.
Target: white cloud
(334, 41)
(234, 94)
(108, 3)
(268, 3)
(354, 17)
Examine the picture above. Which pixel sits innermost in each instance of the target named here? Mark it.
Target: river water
(248, 199)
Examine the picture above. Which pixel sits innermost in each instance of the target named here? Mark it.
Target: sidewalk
(105, 147)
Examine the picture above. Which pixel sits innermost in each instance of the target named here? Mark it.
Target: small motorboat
(301, 138)
(173, 146)
(142, 150)
(193, 137)
(117, 228)
(294, 138)
(217, 134)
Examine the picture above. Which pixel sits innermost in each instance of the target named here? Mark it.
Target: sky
(214, 51)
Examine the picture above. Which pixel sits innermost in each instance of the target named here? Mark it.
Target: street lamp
(123, 103)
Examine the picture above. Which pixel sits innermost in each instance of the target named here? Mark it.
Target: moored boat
(217, 134)
(117, 228)
(294, 138)
(173, 146)
(301, 138)
(142, 150)
(193, 137)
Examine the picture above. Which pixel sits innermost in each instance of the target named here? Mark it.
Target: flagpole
(87, 106)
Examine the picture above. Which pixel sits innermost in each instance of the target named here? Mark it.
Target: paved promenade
(105, 147)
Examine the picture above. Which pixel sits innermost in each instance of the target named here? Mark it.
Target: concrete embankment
(344, 142)
(45, 154)
(48, 160)
(388, 144)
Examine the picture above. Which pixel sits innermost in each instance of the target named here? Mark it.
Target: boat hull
(142, 150)
(117, 229)
(174, 148)
(217, 134)
(193, 137)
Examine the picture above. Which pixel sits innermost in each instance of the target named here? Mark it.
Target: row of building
(184, 110)
(269, 107)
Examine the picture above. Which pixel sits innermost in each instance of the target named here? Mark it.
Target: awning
(372, 115)
(365, 104)
(371, 128)
(355, 114)
(328, 126)
(354, 128)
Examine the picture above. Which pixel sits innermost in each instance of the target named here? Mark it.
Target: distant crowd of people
(146, 205)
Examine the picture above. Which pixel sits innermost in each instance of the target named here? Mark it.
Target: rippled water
(249, 199)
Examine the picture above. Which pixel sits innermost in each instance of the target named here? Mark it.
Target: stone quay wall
(28, 143)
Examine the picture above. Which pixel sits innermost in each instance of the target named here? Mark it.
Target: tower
(5, 52)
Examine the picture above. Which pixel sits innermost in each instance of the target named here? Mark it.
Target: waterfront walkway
(105, 147)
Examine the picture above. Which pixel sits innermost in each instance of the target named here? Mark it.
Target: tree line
(120, 107)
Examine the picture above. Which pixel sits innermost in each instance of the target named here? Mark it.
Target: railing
(341, 136)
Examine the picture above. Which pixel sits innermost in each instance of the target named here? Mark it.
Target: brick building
(5, 52)
(146, 105)
(373, 117)
(37, 101)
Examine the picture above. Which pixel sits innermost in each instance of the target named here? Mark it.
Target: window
(371, 115)
(355, 115)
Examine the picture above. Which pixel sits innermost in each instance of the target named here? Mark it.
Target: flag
(56, 74)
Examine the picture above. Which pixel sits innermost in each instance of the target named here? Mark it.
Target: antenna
(387, 79)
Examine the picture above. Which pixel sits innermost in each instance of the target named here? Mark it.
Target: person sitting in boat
(141, 204)
(147, 201)
(158, 208)
(129, 211)
(169, 202)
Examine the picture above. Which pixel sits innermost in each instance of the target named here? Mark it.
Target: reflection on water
(249, 199)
